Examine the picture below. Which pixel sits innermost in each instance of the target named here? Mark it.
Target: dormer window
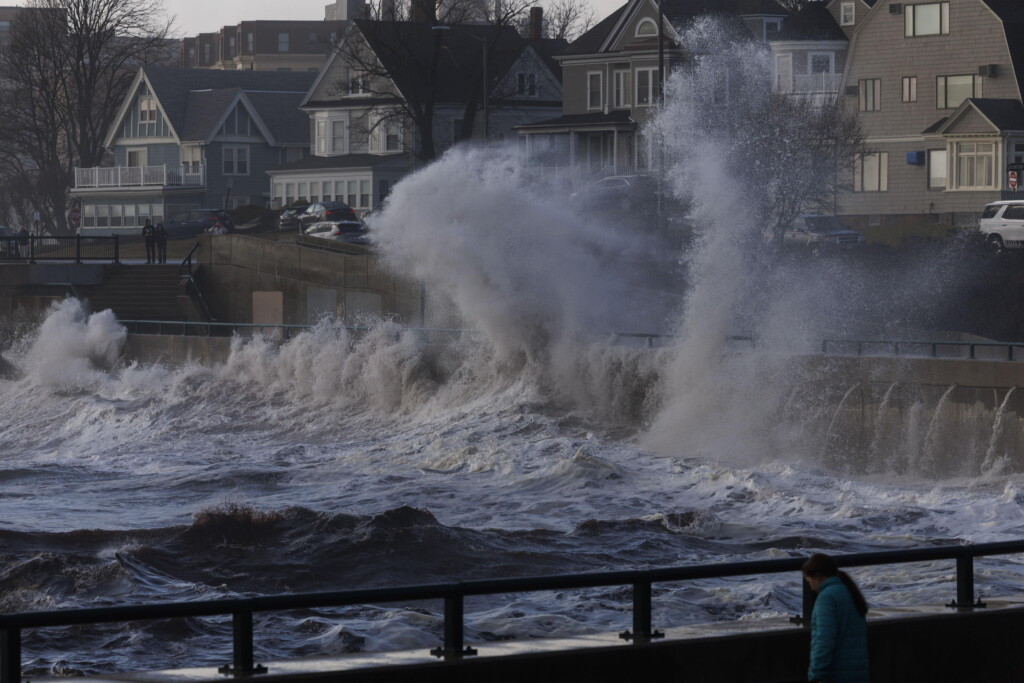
(147, 116)
(847, 14)
(526, 84)
(772, 28)
(646, 28)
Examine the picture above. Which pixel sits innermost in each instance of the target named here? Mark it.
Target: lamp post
(485, 96)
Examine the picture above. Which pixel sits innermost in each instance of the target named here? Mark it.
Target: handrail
(454, 593)
(187, 261)
(191, 286)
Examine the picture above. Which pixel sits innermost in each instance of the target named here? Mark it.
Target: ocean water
(536, 442)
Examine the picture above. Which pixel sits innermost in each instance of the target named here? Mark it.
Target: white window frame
(910, 88)
(191, 157)
(600, 90)
(831, 62)
(847, 14)
(394, 127)
(143, 153)
(910, 12)
(933, 163)
(335, 148)
(236, 160)
(646, 21)
(620, 89)
(877, 161)
(652, 86)
(960, 156)
(320, 137)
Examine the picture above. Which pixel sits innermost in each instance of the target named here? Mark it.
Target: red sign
(1012, 179)
(75, 214)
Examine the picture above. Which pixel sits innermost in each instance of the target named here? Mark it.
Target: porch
(167, 175)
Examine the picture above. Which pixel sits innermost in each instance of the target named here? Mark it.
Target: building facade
(264, 46)
(192, 138)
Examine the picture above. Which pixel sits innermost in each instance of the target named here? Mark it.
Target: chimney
(536, 23)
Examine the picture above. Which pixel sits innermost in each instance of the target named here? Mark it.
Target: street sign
(1011, 178)
(1015, 167)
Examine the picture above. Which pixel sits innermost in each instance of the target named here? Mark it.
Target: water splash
(998, 426)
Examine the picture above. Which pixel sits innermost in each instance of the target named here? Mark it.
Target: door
(783, 73)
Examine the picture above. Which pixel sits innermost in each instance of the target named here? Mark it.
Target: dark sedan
(289, 218)
(320, 212)
(197, 221)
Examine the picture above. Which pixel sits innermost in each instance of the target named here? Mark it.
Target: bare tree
(568, 19)
(67, 69)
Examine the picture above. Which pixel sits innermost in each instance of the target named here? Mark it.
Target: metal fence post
(32, 249)
(641, 632)
(807, 604)
(78, 248)
(965, 582)
(117, 249)
(10, 655)
(242, 652)
(454, 630)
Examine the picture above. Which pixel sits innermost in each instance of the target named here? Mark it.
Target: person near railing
(160, 235)
(839, 630)
(149, 236)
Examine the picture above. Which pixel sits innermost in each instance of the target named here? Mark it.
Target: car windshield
(824, 224)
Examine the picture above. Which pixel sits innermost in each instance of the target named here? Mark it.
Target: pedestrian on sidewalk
(839, 630)
(160, 235)
(149, 236)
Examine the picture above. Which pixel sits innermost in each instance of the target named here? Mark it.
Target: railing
(454, 595)
(930, 348)
(806, 83)
(76, 248)
(192, 288)
(187, 328)
(141, 176)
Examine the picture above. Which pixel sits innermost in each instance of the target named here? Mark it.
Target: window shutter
(857, 183)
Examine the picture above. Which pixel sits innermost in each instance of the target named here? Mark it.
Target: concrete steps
(137, 292)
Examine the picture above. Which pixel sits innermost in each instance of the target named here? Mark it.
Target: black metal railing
(192, 287)
(453, 596)
(75, 248)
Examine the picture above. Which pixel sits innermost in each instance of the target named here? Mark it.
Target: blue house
(193, 138)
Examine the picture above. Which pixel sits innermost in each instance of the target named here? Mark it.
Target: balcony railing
(141, 176)
(803, 83)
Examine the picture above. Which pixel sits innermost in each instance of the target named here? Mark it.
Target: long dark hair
(820, 564)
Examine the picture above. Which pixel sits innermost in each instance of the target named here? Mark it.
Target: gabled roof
(547, 49)
(679, 14)
(195, 102)
(1001, 114)
(1007, 10)
(813, 21)
(404, 49)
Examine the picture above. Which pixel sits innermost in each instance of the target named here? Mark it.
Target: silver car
(1002, 225)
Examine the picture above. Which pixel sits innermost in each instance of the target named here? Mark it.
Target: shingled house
(193, 138)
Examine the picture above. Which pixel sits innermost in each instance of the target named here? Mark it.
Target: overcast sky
(207, 16)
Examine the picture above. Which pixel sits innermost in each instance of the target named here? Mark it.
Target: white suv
(1002, 224)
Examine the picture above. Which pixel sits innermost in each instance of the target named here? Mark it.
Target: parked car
(1002, 225)
(289, 218)
(352, 232)
(818, 235)
(319, 212)
(617, 192)
(197, 221)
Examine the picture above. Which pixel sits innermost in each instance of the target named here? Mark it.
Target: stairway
(137, 292)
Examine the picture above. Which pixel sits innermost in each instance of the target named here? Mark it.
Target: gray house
(937, 88)
(611, 85)
(362, 137)
(809, 54)
(193, 138)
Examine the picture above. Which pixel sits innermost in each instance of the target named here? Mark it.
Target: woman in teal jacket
(839, 631)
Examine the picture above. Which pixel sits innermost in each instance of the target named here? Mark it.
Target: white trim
(651, 81)
(241, 97)
(248, 159)
(644, 22)
(624, 90)
(843, 6)
(129, 99)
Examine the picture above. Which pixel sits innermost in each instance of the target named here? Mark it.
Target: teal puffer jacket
(839, 637)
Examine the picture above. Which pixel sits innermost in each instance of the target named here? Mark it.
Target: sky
(207, 16)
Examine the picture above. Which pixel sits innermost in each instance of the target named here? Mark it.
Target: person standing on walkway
(160, 235)
(839, 630)
(149, 236)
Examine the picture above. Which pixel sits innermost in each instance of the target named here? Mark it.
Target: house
(193, 138)
(263, 46)
(611, 81)
(809, 53)
(937, 88)
(374, 115)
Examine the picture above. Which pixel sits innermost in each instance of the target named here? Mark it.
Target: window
(871, 94)
(772, 28)
(313, 40)
(620, 90)
(236, 159)
(5, 27)
(321, 138)
(526, 84)
(358, 82)
(937, 169)
(950, 91)
(646, 28)
(594, 94)
(206, 54)
(847, 14)
(136, 157)
(391, 136)
(282, 42)
(910, 88)
(249, 42)
(647, 86)
(927, 20)
(352, 198)
(147, 116)
(364, 194)
(338, 136)
(975, 164)
(231, 46)
(821, 62)
(871, 172)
